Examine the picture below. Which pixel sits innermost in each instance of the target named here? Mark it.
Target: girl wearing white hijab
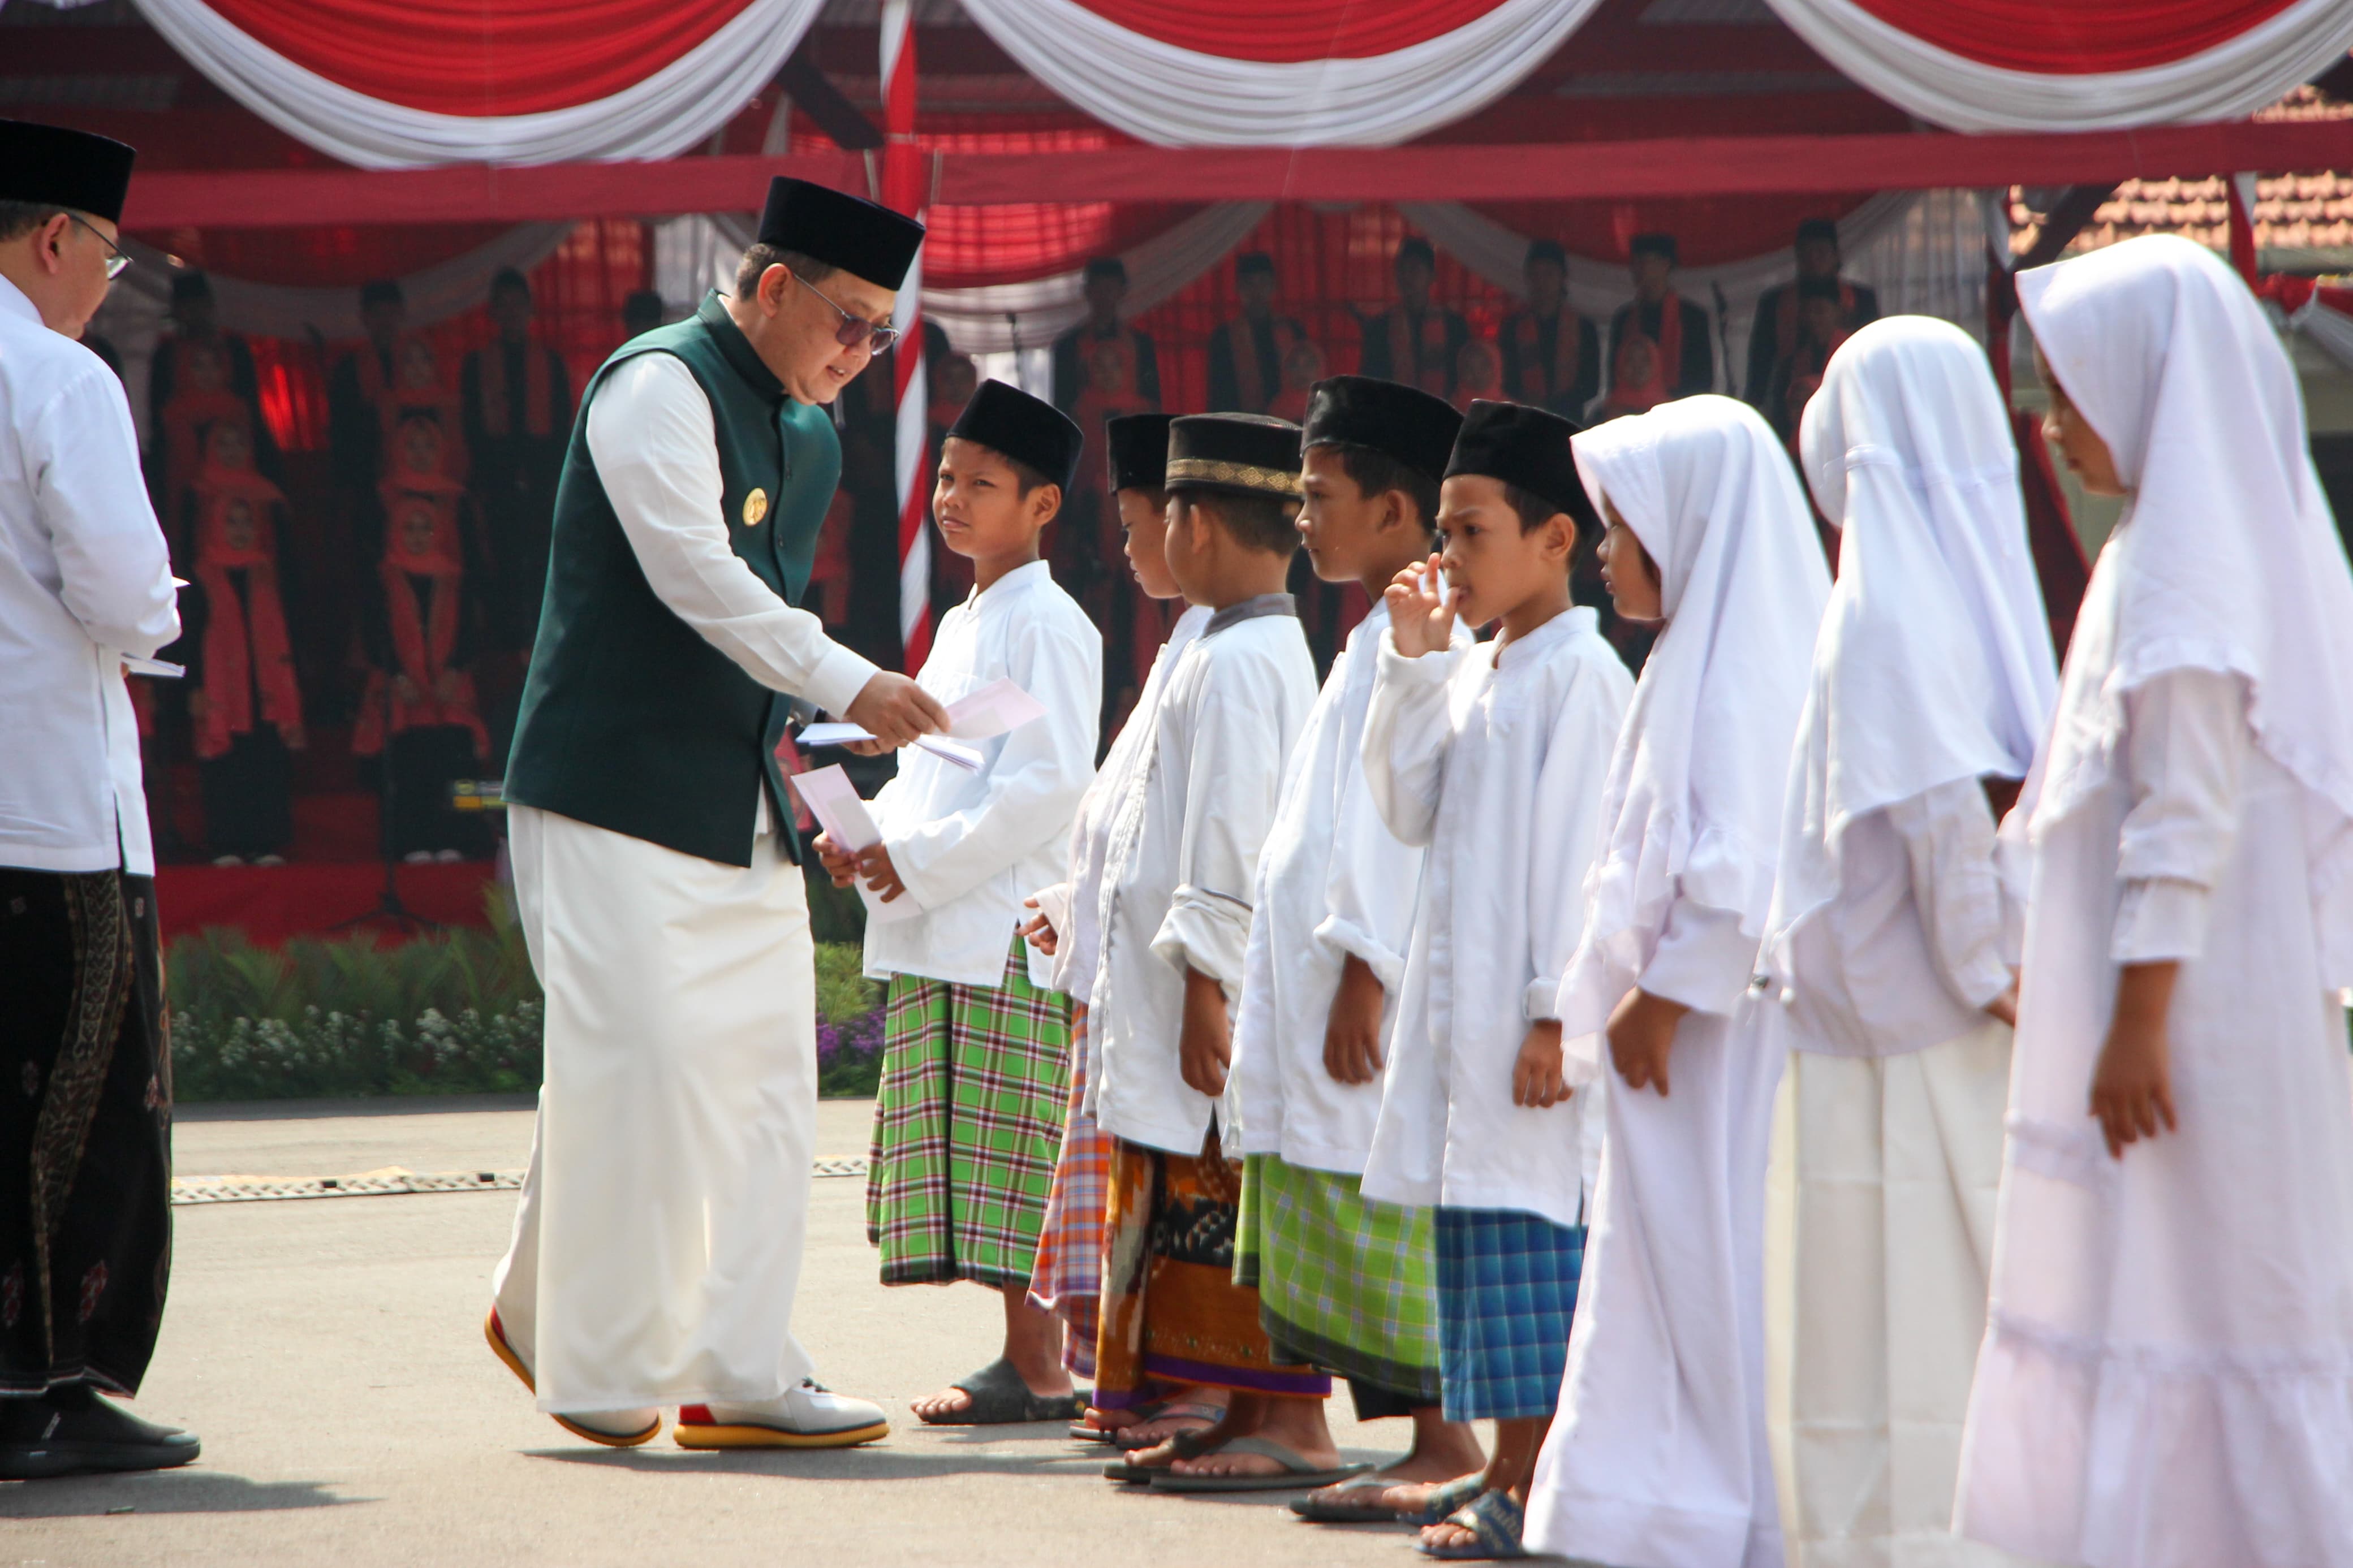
(2167, 1372)
(1658, 1457)
(1932, 674)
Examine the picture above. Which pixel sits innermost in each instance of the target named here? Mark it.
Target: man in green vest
(658, 1244)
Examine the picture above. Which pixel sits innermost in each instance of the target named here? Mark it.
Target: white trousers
(658, 1245)
(1878, 1240)
(1658, 1455)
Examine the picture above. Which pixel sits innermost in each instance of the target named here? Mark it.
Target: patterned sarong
(86, 1126)
(1171, 1311)
(1506, 1293)
(1344, 1281)
(966, 1127)
(1068, 1279)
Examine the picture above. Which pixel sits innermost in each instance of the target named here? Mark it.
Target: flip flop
(1189, 1445)
(1338, 1510)
(999, 1398)
(1495, 1519)
(1298, 1475)
(1209, 1415)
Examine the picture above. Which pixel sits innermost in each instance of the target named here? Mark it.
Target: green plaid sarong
(967, 1126)
(1344, 1281)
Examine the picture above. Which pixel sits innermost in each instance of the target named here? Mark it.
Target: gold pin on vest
(755, 507)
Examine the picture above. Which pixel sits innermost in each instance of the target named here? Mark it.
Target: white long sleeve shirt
(85, 579)
(1183, 863)
(971, 846)
(2186, 745)
(1076, 947)
(1498, 766)
(1911, 951)
(1333, 883)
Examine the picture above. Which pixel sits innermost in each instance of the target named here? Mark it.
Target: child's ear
(1561, 536)
(1045, 504)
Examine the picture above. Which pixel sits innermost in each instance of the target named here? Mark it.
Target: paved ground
(330, 1353)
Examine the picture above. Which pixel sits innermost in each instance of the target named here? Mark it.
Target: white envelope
(834, 801)
(993, 710)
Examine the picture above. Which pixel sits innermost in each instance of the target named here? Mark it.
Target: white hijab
(2227, 558)
(1692, 805)
(1934, 662)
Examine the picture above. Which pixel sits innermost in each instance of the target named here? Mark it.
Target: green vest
(630, 720)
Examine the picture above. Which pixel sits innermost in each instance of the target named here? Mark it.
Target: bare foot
(1195, 1410)
(951, 1402)
(1439, 1536)
(1295, 1423)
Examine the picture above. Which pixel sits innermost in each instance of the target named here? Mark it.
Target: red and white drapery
(392, 84)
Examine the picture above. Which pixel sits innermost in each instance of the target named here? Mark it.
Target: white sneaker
(613, 1428)
(808, 1416)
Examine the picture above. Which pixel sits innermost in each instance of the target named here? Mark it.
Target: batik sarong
(85, 1131)
(966, 1127)
(1344, 1281)
(1171, 1312)
(1507, 1295)
(1067, 1280)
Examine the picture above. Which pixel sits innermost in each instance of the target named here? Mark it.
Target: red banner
(1299, 30)
(2078, 37)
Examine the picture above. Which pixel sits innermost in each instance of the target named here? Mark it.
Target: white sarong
(658, 1245)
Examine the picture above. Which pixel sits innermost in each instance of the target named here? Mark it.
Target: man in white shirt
(658, 1245)
(85, 582)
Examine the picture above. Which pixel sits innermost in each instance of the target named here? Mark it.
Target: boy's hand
(2132, 1086)
(1421, 610)
(1536, 1076)
(875, 870)
(1352, 1035)
(1040, 932)
(838, 863)
(1205, 1047)
(1641, 1029)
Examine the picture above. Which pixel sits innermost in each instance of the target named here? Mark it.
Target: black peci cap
(1547, 250)
(825, 224)
(1404, 422)
(1413, 247)
(1818, 229)
(1654, 245)
(1252, 453)
(382, 291)
(1007, 420)
(1527, 447)
(48, 163)
(1138, 448)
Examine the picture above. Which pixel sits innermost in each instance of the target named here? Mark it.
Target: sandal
(1495, 1519)
(1188, 1445)
(1297, 1475)
(999, 1398)
(1339, 1508)
(1208, 1415)
(1447, 1500)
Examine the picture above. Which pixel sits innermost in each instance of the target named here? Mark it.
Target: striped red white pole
(904, 189)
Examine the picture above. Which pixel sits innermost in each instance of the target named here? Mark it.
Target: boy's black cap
(1404, 422)
(825, 224)
(49, 164)
(1250, 453)
(1545, 251)
(1654, 245)
(1027, 429)
(1137, 445)
(1818, 229)
(1524, 447)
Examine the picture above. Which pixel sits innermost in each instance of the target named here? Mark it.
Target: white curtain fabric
(2227, 82)
(1923, 251)
(1176, 97)
(659, 117)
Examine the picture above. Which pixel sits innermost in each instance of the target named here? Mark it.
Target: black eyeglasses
(854, 329)
(115, 260)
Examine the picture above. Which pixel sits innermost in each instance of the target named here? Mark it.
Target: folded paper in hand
(833, 800)
(954, 753)
(992, 710)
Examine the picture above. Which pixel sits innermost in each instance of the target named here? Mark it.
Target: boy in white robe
(1182, 865)
(2166, 1378)
(1932, 684)
(968, 1118)
(1658, 1458)
(1493, 759)
(1067, 1280)
(1344, 1281)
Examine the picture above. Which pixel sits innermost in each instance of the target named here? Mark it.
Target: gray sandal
(1298, 1475)
(999, 1398)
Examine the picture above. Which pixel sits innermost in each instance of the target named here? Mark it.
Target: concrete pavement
(328, 1352)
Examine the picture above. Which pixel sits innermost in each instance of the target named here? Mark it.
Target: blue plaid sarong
(1507, 1291)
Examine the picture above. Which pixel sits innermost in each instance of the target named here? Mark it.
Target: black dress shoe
(70, 1430)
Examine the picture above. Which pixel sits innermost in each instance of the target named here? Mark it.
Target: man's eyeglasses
(854, 329)
(115, 260)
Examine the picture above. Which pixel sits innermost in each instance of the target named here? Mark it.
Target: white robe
(1334, 883)
(1496, 764)
(1182, 865)
(970, 845)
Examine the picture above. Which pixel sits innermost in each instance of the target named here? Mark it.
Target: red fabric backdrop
(2075, 38)
(478, 57)
(969, 246)
(1299, 30)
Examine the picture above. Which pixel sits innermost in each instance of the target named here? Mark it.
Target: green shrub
(453, 1012)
